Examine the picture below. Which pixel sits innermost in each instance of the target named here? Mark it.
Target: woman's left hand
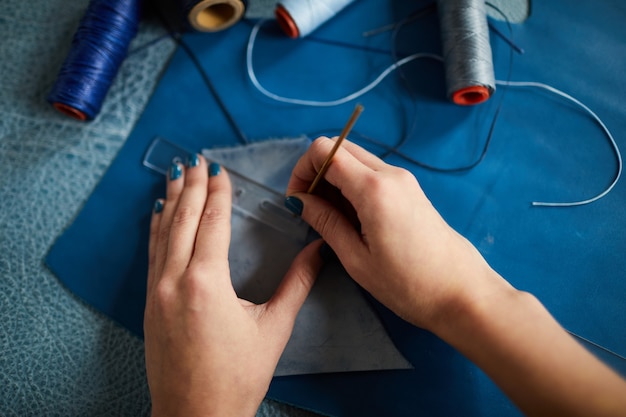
(209, 352)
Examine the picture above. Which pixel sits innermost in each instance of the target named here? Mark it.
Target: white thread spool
(298, 18)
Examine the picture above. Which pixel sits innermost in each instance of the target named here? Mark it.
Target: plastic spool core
(70, 111)
(215, 15)
(471, 95)
(286, 23)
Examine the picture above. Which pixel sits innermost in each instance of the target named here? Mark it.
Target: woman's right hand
(399, 248)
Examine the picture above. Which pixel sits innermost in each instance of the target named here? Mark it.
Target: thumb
(328, 220)
(286, 302)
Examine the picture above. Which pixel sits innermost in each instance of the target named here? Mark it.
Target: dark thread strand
(178, 38)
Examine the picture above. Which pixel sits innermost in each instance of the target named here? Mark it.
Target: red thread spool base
(70, 111)
(471, 95)
(286, 23)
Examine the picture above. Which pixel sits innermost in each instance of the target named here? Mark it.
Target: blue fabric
(543, 149)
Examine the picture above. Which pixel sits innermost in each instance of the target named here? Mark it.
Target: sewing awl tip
(344, 133)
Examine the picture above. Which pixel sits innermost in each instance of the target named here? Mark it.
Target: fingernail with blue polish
(158, 206)
(194, 160)
(175, 171)
(294, 204)
(214, 169)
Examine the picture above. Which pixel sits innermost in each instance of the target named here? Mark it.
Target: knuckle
(326, 223)
(164, 295)
(404, 176)
(195, 278)
(319, 142)
(183, 215)
(384, 191)
(213, 216)
(197, 287)
(378, 188)
(191, 286)
(188, 292)
(164, 234)
(305, 278)
(375, 183)
(320, 146)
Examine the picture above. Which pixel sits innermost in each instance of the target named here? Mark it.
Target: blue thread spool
(99, 46)
(101, 42)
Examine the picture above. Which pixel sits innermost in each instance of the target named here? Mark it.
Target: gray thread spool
(467, 55)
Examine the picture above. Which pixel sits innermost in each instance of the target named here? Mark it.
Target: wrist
(479, 323)
(482, 292)
(198, 405)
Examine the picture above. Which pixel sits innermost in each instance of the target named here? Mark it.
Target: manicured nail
(294, 204)
(214, 169)
(158, 206)
(194, 160)
(175, 171)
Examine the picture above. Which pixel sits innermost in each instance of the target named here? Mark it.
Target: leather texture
(58, 356)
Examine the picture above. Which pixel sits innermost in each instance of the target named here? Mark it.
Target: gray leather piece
(337, 330)
(58, 357)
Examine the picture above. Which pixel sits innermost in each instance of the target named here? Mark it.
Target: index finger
(364, 156)
(348, 171)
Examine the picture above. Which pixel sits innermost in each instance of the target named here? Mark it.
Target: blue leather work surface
(543, 148)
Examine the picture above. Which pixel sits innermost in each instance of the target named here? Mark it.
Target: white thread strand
(391, 68)
(618, 155)
(315, 103)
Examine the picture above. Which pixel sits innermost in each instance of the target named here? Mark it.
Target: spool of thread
(213, 15)
(99, 46)
(467, 54)
(298, 18)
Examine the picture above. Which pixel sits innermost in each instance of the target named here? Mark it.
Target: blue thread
(99, 46)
